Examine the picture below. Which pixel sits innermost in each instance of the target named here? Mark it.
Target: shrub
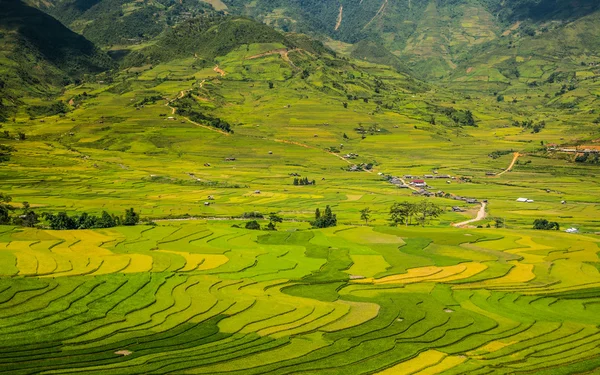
(253, 225)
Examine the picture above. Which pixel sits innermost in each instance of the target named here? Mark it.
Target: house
(472, 201)
(207, 203)
(572, 230)
(457, 209)
(428, 176)
(522, 200)
(257, 192)
(230, 159)
(419, 183)
(444, 176)
(211, 198)
(490, 173)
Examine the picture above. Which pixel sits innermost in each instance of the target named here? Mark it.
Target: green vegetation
(543, 224)
(207, 124)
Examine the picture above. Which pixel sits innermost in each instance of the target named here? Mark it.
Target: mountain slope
(39, 54)
(121, 22)
(206, 38)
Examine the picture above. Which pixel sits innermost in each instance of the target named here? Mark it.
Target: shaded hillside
(39, 54)
(121, 22)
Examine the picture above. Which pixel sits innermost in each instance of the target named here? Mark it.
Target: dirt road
(481, 214)
(512, 164)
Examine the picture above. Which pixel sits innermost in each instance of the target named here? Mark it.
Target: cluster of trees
(188, 107)
(5, 152)
(421, 213)
(460, 117)
(274, 219)
(27, 218)
(499, 153)
(325, 220)
(61, 221)
(543, 224)
(587, 158)
(529, 124)
(303, 181)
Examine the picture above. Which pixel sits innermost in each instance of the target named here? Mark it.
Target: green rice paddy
(197, 294)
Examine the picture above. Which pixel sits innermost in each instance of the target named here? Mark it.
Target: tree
(253, 225)
(60, 221)
(28, 218)
(273, 220)
(402, 213)
(365, 214)
(131, 217)
(426, 211)
(106, 221)
(86, 221)
(271, 85)
(499, 222)
(328, 219)
(543, 224)
(5, 209)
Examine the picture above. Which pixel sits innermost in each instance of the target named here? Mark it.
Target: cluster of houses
(350, 156)
(573, 149)
(360, 167)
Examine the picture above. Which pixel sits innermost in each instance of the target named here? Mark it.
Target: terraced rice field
(202, 297)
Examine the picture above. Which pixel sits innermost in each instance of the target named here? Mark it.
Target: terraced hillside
(206, 298)
(227, 150)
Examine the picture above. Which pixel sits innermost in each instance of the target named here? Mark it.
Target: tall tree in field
(402, 213)
(5, 208)
(426, 211)
(131, 217)
(365, 215)
(273, 220)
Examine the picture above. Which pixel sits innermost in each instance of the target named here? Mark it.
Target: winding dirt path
(339, 18)
(481, 214)
(220, 71)
(512, 164)
(379, 12)
(283, 52)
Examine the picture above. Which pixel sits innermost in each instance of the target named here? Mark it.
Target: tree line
(61, 221)
(404, 213)
(303, 181)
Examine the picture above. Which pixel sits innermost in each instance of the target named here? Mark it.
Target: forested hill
(431, 36)
(206, 38)
(38, 54)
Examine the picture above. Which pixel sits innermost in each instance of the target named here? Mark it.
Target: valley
(215, 124)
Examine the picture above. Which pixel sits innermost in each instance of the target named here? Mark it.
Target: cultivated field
(197, 293)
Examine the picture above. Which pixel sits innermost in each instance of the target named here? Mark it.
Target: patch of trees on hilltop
(189, 108)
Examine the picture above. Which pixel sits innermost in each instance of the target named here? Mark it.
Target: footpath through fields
(481, 214)
(512, 164)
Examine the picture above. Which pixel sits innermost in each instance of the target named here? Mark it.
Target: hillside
(205, 38)
(121, 22)
(39, 55)
(237, 199)
(430, 36)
